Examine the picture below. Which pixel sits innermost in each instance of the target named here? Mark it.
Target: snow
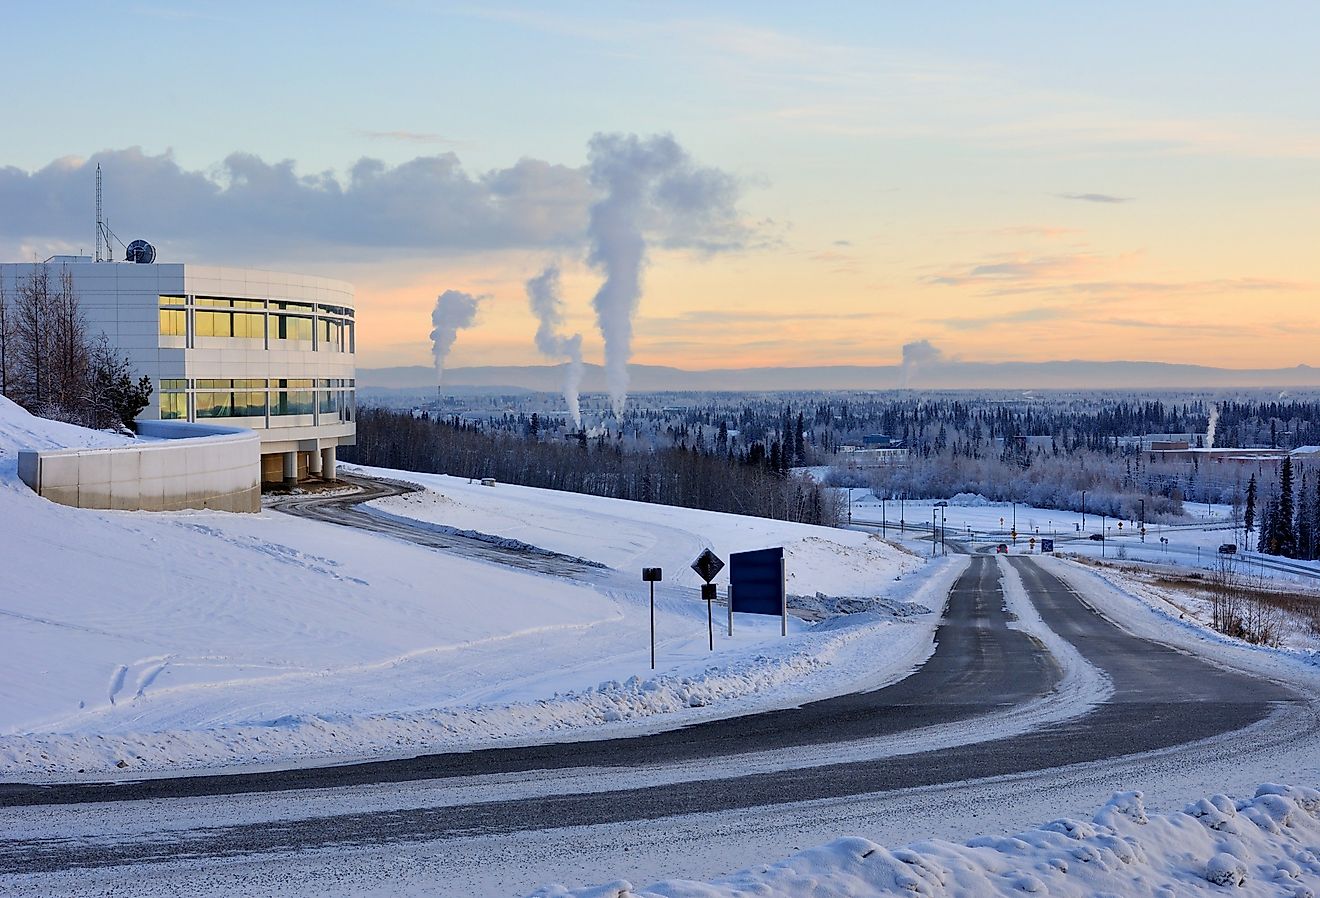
(143, 643)
(627, 535)
(1266, 845)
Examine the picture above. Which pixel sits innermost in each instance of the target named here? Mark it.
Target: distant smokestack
(453, 311)
(548, 307)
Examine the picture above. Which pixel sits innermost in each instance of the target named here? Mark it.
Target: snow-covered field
(135, 643)
(627, 535)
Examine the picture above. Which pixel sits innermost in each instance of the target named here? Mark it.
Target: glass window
(249, 303)
(213, 301)
(213, 324)
(215, 405)
(173, 300)
(292, 306)
(292, 402)
(173, 406)
(250, 404)
(173, 323)
(250, 326)
(214, 384)
(287, 327)
(331, 334)
(173, 383)
(327, 402)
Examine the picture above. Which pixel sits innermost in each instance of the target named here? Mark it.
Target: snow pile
(1268, 845)
(975, 500)
(821, 606)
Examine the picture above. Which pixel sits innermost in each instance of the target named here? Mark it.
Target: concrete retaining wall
(186, 466)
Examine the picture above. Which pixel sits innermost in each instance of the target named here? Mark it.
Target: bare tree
(70, 353)
(6, 336)
(32, 327)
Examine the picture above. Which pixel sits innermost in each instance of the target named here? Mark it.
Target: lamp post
(1143, 520)
(884, 526)
(932, 531)
(1104, 537)
(1083, 510)
(941, 505)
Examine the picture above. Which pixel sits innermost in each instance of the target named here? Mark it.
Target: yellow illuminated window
(173, 323)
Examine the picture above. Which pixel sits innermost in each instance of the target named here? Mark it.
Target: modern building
(235, 347)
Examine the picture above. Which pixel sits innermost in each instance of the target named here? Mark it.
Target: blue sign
(756, 581)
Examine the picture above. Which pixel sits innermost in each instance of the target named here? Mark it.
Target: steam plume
(548, 307)
(917, 354)
(649, 186)
(453, 311)
(1210, 428)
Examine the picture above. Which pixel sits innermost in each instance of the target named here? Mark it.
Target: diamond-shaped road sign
(707, 565)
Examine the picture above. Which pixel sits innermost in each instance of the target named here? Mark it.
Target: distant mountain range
(1063, 375)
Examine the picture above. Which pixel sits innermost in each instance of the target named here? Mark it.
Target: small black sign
(707, 565)
(1046, 544)
(650, 575)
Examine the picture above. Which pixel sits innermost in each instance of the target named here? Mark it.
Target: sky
(1012, 181)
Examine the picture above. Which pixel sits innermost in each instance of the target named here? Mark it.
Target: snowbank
(20, 430)
(1268, 845)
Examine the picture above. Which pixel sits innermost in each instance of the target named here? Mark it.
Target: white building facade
(230, 346)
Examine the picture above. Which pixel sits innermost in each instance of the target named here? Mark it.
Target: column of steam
(548, 307)
(454, 310)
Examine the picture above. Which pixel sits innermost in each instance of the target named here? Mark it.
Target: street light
(1083, 509)
(941, 505)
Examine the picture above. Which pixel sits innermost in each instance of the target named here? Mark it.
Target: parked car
(1001, 549)
(1098, 537)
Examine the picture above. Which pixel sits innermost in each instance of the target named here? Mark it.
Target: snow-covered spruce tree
(1286, 536)
(1249, 518)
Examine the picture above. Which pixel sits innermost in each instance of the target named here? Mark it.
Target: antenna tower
(99, 220)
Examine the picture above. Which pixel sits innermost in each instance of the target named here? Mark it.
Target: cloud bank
(428, 205)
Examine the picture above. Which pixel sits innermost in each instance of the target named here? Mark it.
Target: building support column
(328, 463)
(290, 469)
(314, 463)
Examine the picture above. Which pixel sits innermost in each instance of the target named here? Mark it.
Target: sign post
(707, 565)
(652, 575)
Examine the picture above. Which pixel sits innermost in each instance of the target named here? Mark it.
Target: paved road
(344, 509)
(1162, 698)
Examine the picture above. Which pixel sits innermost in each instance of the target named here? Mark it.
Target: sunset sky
(1015, 181)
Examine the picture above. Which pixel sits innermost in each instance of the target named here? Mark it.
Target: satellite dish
(140, 251)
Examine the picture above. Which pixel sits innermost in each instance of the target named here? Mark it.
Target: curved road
(1162, 698)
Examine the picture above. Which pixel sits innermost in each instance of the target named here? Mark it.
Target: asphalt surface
(345, 510)
(1162, 698)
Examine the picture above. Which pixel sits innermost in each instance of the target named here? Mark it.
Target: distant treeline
(754, 482)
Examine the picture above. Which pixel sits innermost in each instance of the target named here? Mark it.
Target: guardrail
(183, 465)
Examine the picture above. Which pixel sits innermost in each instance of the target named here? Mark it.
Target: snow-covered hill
(134, 642)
